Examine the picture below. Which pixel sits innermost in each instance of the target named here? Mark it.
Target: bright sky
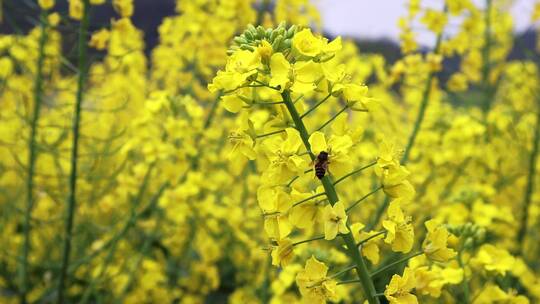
(378, 18)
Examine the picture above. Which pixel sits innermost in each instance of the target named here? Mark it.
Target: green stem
(266, 283)
(315, 106)
(465, 283)
(129, 223)
(370, 238)
(309, 240)
(333, 117)
(349, 282)
(270, 133)
(353, 252)
(72, 199)
(362, 199)
(414, 134)
(211, 114)
(380, 270)
(32, 155)
(522, 232)
(292, 181)
(354, 172)
(308, 199)
(267, 103)
(378, 213)
(343, 271)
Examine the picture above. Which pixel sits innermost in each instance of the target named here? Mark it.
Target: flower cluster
(247, 158)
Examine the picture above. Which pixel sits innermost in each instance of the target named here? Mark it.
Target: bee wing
(325, 166)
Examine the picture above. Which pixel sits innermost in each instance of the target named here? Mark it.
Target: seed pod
(276, 44)
(291, 31)
(274, 35)
(260, 31)
(467, 229)
(287, 43)
(240, 40)
(247, 47)
(481, 234)
(249, 35)
(469, 243)
(251, 28)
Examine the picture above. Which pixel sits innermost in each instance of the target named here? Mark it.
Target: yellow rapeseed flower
(398, 291)
(400, 232)
(314, 286)
(306, 44)
(335, 220)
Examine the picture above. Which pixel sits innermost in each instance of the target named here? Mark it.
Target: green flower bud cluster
(471, 234)
(280, 38)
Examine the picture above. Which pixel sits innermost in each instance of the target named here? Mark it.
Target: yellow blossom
(306, 214)
(370, 248)
(335, 220)
(435, 244)
(306, 75)
(399, 230)
(306, 44)
(434, 20)
(393, 176)
(283, 253)
(75, 9)
(494, 259)
(53, 19)
(46, 4)
(242, 144)
(337, 147)
(314, 286)
(275, 205)
(280, 71)
(100, 39)
(265, 50)
(123, 7)
(398, 291)
(285, 162)
(241, 65)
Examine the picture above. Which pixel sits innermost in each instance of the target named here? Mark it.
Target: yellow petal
(317, 142)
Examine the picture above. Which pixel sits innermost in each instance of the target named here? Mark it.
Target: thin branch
(362, 242)
(333, 117)
(363, 198)
(354, 172)
(72, 199)
(380, 270)
(309, 240)
(315, 106)
(308, 199)
(270, 133)
(32, 156)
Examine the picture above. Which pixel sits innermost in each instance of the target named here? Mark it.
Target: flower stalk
(72, 199)
(32, 156)
(412, 138)
(531, 178)
(384, 268)
(354, 172)
(331, 194)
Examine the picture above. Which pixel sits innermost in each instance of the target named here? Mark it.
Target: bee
(321, 164)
